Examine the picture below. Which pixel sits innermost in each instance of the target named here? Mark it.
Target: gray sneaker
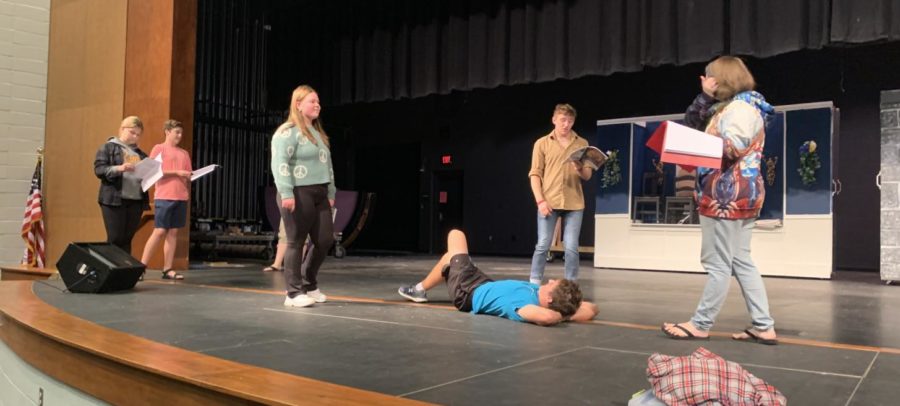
(411, 293)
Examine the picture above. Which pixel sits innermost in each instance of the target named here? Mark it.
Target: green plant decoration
(771, 164)
(809, 163)
(612, 170)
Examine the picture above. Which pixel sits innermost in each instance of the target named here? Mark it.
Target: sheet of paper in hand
(591, 157)
(150, 171)
(206, 170)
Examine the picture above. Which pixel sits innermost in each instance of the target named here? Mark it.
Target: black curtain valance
(358, 51)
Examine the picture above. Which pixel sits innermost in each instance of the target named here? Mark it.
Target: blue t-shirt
(503, 298)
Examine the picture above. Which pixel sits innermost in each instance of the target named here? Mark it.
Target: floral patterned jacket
(736, 190)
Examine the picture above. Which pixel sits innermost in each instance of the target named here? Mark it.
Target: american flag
(33, 223)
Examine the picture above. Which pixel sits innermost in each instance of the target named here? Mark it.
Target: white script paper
(206, 170)
(149, 170)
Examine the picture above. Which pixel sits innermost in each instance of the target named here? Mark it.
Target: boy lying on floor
(473, 291)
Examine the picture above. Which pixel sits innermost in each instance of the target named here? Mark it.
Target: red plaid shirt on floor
(706, 378)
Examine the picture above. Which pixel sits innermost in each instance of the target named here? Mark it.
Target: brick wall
(24, 35)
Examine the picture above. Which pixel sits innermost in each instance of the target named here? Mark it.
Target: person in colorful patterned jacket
(729, 199)
(304, 178)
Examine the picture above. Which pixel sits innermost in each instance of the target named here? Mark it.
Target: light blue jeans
(726, 252)
(571, 232)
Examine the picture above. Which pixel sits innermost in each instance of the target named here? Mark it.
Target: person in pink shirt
(171, 197)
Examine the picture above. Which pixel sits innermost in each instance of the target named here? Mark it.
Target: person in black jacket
(121, 198)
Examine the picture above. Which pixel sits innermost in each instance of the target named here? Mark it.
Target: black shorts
(462, 277)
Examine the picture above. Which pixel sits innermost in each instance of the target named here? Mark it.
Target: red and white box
(685, 146)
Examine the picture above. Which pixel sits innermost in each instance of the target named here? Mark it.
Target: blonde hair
(731, 75)
(132, 122)
(171, 125)
(295, 117)
(566, 109)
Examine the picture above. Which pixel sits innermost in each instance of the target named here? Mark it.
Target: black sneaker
(411, 293)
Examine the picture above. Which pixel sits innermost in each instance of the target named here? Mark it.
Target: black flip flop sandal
(755, 338)
(688, 335)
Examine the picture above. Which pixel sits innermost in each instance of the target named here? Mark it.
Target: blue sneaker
(411, 293)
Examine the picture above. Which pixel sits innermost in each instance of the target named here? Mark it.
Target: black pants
(122, 222)
(311, 217)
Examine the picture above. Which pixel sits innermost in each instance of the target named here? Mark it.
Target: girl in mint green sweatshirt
(301, 166)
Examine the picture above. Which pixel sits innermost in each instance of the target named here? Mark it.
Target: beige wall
(85, 98)
(24, 33)
(159, 84)
(101, 69)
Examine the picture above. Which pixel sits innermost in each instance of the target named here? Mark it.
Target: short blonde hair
(566, 109)
(731, 75)
(171, 125)
(132, 122)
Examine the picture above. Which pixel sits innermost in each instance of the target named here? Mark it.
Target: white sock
(419, 287)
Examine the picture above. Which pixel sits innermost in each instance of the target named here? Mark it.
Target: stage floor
(840, 338)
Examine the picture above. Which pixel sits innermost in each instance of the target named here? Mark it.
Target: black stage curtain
(764, 28)
(232, 123)
(391, 49)
(252, 53)
(856, 21)
(383, 50)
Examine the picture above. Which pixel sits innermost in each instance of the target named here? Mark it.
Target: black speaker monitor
(98, 267)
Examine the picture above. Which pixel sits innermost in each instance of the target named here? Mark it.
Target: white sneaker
(299, 301)
(317, 295)
(535, 281)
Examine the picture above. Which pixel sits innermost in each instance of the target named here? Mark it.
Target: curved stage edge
(120, 368)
